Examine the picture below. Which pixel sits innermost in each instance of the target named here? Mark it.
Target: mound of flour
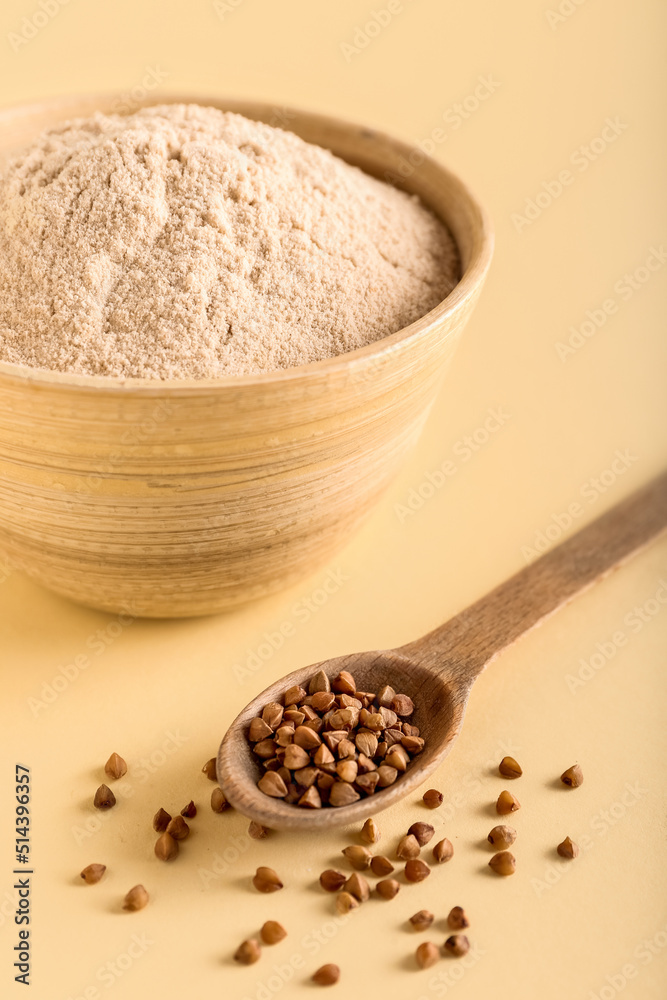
(182, 241)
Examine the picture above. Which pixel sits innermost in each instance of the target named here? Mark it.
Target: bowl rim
(378, 352)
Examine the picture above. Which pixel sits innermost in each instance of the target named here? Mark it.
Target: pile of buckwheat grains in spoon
(331, 744)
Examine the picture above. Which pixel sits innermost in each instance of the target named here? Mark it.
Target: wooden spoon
(438, 671)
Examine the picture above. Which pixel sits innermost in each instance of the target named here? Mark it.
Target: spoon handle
(469, 641)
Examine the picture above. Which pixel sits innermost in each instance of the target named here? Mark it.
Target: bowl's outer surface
(190, 497)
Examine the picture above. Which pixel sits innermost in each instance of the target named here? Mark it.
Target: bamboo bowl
(186, 497)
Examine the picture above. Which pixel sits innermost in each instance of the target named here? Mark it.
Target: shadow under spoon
(438, 670)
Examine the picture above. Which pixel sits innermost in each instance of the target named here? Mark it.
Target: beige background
(162, 693)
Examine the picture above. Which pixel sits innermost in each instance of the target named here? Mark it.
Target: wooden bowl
(187, 497)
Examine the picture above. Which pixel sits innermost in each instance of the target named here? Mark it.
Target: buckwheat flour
(182, 241)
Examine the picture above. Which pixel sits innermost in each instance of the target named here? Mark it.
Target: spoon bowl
(438, 671)
(439, 707)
